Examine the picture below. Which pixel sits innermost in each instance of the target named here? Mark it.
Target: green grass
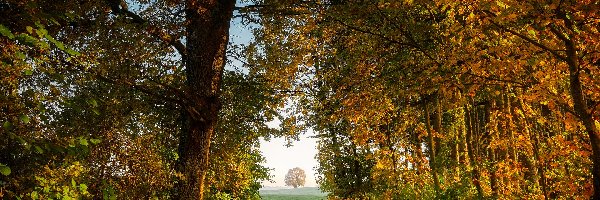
(307, 193)
(290, 197)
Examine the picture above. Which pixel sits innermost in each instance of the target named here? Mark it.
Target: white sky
(281, 158)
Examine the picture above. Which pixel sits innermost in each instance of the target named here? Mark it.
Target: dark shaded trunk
(206, 42)
(390, 146)
(492, 136)
(437, 124)
(540, 166)
(580, 105)
(581, 110)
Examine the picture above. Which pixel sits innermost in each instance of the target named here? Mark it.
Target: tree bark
(432, 149)
(206, 42)
(580, 106)
(437, 124)
(581, 110)
(470, 151)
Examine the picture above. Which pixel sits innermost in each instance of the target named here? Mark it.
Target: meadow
(305, 193)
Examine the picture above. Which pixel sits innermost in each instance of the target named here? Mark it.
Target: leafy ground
(305, 193)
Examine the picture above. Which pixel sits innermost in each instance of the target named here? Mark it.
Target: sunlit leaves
(497, 66)
(6, 32)
(4, 170)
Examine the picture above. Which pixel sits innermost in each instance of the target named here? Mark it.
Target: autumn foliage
(410, 99)
(444, 99)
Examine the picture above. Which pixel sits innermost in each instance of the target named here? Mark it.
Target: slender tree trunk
(539, 130)
(418, 151)
(437, 124)
(470, 151)
(492, 151)
(390, 146)
(540, 166)
(432, 148)
(531, 173)
(207, 39)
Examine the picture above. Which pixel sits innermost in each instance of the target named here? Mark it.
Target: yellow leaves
(380, 165)
(531, 32)
(501, 4)
(65, 181)
(470, 57)
(471, 16)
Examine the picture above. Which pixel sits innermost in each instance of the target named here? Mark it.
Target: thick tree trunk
(581, 109)
(206, 42)
(579, 103)
(580, 106)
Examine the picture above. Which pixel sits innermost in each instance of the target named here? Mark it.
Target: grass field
(307, 193)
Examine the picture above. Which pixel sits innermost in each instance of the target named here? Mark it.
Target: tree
(143, 69)
(485, 99)
(425, 87)
(207, 35)
(295, 177)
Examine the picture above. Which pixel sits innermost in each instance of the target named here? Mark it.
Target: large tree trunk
(579, 103)
(581, 109)
(206, 42)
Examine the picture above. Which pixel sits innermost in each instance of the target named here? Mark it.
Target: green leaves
(7, 125)
(29, 29)
(27, 39)
(42, 33)
(72, 52)
(56, 43)
(95, 141)
(109, 193)
(4, 170)
(6, 32)
(20, 55)
(24, 119)
(83, 141)
(38, 149)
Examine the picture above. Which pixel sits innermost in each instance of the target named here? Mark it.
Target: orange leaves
(498, 68)
(571, 122)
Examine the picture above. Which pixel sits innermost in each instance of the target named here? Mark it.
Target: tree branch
(119, 7)
(535, 43)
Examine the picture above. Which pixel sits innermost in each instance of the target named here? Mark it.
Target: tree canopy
(295, 177)
(443, 99)
(410, 99)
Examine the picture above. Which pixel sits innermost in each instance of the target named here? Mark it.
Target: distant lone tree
(295, 177)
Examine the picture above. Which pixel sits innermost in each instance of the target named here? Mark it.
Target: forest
(409, 99)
